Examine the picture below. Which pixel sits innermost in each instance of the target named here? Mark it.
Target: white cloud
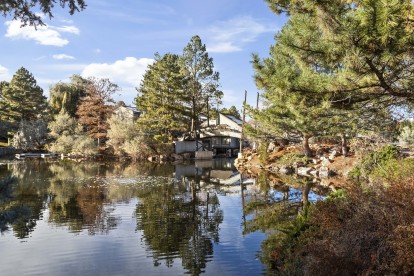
(232, 35)
(63, 56)
(44, 35)
(3, 70)
(4, 74)
(224, 47)
(129, 70)
(67, 21)
(40, 58)
(68, 29)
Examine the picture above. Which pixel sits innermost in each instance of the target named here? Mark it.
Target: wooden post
(244, 117)
(208, 114)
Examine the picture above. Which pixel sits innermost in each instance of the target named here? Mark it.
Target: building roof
(234, 119)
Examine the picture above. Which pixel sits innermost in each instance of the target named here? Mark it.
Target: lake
(69, 218)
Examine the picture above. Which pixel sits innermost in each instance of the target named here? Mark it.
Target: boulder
(304, 171)
(316, 161)
(271, 147)
(314, 172)
(152, 158)
(325, 172)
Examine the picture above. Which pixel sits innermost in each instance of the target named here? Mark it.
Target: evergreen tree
(27, 11)
(336, 67)
(161, 99)
(368, 44)
(202, 81)
(22, 98)
(231, 111)
(95, 108)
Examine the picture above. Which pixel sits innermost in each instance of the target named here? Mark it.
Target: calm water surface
(68, 218)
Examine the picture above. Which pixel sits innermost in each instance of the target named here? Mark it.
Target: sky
(118, 40)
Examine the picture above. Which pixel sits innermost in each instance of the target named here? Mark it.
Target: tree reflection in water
(273, 207)
(23, 203)
(177, 220)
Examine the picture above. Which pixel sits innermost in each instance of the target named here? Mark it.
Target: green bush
(293, 157)
(406, 137)
(383, 165)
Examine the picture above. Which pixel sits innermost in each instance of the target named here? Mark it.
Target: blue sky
(118, 39)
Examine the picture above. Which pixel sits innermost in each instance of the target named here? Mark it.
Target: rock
(325, 161)
(152, 158)
(324, 172)
(286, 170)
(316, 161)
(275, 168)
(271, 147)
(304, 171)
(314, 172)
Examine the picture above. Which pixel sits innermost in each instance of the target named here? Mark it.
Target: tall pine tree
(162, 99)
(22, 98)
(337, 67)
(202, 81)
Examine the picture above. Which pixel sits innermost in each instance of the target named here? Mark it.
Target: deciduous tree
(95, 107)
(66, 96)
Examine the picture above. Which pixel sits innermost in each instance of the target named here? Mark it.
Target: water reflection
(176, 209)
(176, 216)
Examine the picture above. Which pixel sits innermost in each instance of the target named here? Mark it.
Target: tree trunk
(344, 145)
(305, 143)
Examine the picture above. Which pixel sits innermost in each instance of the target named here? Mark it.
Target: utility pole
(242, 130)
(208, 114)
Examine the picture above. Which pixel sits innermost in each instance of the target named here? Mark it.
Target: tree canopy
(95, 109)
(202, 81)
(162, 99)
(66, 96)
(26, 11)
(22, 98)
(336, 66)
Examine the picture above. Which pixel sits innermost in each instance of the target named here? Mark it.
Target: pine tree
(161, 99)
(369, 42)
(336, 68)
(22, 98)
(231, 111)
(202, 81)
(28, 10)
